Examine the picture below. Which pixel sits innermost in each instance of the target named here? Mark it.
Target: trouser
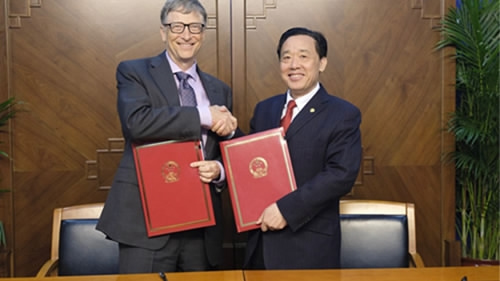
(184, 251)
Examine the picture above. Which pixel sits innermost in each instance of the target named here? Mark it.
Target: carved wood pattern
(22, 9)
(257, 10)
(19, 9)
(211, 8)
(103, 168)
(253, 14)
(430, 10)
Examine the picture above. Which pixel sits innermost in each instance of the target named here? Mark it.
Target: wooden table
(485, 273)
(226, 275)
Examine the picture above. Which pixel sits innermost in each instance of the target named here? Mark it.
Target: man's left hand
(208, 170)
(271, 219)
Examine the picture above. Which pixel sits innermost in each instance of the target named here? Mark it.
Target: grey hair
(183, 6)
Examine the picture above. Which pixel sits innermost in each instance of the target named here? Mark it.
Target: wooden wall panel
(61, 56)
(6, 214)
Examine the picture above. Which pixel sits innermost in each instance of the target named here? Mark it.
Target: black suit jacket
(150, 111)
(324, 142)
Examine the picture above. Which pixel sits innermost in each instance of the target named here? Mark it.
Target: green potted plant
(7, 112)
(472, 28)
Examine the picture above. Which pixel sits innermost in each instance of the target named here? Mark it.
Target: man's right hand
(223, 122)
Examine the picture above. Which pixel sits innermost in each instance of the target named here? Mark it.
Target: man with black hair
(301, 230)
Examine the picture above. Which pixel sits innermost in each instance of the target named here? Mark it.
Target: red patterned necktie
(285, 122)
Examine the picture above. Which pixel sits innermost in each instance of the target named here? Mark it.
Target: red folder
(173, 196)
(259, 172)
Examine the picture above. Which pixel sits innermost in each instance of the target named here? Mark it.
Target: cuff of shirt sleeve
(205, 116)
(222, 177)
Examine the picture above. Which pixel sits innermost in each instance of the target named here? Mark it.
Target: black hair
(319, 39)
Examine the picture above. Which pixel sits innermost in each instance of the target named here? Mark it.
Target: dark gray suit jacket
(150, 111)
(324, 142)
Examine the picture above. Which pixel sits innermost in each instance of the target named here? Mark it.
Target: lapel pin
(312, 110)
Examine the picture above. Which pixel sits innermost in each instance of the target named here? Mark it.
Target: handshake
(223, 122)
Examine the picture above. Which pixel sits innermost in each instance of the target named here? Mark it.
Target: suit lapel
(277, 110)
(162, 75)
(213, 95)
(312, 109)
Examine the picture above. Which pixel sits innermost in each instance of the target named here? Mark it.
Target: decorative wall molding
(102, 169)
(367, 168)
(211, 21)
(19, 9)
(433, 17)
(211, 8)
(256, 10)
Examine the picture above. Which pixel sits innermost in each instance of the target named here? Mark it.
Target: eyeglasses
(178, 27)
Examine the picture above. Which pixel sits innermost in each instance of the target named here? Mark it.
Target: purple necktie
(186, 92)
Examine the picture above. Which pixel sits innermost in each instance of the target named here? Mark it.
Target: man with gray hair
(151, 109)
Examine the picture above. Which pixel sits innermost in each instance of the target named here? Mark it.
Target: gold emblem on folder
(170, 172)
(258, 167)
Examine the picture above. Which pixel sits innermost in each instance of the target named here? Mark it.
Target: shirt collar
(175, 68)
(302, 100)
